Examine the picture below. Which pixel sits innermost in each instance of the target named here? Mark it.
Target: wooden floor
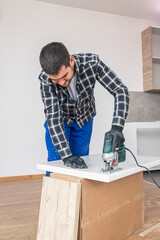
(19, 208)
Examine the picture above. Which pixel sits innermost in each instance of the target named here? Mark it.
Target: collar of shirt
(72, 88)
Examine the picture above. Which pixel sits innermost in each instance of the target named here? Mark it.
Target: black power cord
(143, 167)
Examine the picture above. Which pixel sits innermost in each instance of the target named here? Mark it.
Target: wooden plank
(59, 210)
(151, 229)
(71, 179)
(66, 177)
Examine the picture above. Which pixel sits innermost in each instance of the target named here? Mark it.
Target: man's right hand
(74, 162)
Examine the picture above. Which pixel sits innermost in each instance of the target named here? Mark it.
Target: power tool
(111, 159)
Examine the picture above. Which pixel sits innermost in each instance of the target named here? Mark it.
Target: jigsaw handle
(107, 148)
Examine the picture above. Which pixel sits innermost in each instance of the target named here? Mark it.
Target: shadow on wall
(144, 107)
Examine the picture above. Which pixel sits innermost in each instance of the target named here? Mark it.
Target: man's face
(65, 74)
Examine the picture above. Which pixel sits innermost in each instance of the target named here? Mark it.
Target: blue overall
(78, 139)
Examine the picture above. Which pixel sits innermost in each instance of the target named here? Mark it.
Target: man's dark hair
(53, 56)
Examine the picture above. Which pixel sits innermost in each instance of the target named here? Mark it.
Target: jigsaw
(111, 159)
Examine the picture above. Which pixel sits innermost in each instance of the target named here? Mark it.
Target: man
(67, 88)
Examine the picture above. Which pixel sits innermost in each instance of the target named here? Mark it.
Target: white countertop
(95, 164)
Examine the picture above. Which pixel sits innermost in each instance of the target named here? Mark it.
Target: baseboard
(2, 179)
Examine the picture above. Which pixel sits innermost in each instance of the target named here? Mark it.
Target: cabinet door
(147, 59)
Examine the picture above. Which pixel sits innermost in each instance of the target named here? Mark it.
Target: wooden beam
(59, 210)
(151, 229)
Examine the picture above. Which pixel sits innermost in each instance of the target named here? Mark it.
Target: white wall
(25, 27)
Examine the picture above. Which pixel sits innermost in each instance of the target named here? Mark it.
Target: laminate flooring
(19, 210)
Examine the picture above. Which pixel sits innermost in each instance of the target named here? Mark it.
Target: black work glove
(74, 162)
(118, 137)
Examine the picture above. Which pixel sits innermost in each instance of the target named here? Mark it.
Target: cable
(143, 167)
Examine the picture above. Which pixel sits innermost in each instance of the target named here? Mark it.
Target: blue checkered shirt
(59, 107)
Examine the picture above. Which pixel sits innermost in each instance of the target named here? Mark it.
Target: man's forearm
(59, 139)
(121, 106)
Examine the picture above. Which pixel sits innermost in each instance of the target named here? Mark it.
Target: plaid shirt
(59, 106)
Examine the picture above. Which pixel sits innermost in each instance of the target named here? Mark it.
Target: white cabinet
(143, 138)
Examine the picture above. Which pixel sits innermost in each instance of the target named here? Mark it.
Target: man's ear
(71, 61)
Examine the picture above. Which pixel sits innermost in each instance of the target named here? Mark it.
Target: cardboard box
(109, 211)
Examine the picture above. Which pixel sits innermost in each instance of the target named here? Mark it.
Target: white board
(95, 164)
